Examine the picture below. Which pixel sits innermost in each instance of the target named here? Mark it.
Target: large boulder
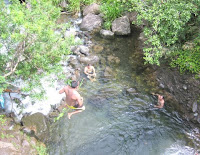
(39, 124)
(92, 59)
(93, 9)
(121, 26)
(91, 22)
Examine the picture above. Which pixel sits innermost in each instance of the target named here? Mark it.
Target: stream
(116, 122)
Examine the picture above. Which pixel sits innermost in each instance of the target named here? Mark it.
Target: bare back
(73, 98)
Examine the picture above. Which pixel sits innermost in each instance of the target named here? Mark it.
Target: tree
(167, 25)
(29, 46)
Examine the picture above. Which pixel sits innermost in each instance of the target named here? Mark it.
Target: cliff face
(184, 90)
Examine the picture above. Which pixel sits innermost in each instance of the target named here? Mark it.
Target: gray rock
(98, 48)
(39, 124)
(132, 16)
(91, 22)
(73, 61)
(84, 50)
(131, 90)
(92, 59)
(93, 9)
(108, 72)
(107, 34)
(162, 85)
(121, 26)
(113, 59)
(194, 107)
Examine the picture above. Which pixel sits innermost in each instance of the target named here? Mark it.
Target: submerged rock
(108, 73)
(98, 48)
(107, 34)
(92, 59)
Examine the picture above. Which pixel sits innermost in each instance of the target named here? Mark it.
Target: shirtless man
(161, 101)
(73, 98)
(90, 72)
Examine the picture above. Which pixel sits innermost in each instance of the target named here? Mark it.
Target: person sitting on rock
(161, 101)
(90, 72)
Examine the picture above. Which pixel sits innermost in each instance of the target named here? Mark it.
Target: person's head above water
(74, 84)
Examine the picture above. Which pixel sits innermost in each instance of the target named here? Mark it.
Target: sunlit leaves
(29, 40)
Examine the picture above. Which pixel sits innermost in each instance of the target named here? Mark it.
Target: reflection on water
(115, 122)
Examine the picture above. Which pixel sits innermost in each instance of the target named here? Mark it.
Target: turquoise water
(116, 122)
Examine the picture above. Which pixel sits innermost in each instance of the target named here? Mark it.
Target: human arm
(80, 101)
(160, 103)
(159, 106)
(93, 70)
(85, 71)
(63, 90)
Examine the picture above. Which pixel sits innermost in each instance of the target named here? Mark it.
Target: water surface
(116, 122)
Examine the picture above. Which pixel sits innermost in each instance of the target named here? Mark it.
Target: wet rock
(69, 33)
(91, 22)
(98, 48)
(162, 85)
(76, 75)
(84, 50)
(93, 9)
(28, 131)
(198, 118)
(132, 16)
(142, 38)
(131, 90)
(113, 59)
(108, 72)
(73, 61)
(107, 34)
(39, 124)
(194, 107)
(184, 87)
(121, 26)
(92, 59)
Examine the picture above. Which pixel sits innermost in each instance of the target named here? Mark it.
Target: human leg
(72, 113)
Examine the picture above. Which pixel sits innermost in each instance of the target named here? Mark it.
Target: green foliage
(41, 149)
(75, 5)
(111, 9)
(30, 47)
(3, 136)
(2, 119)
(167, 21)
(61, 114)
(188, 59)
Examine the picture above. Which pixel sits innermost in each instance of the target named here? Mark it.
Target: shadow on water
(115, 122)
